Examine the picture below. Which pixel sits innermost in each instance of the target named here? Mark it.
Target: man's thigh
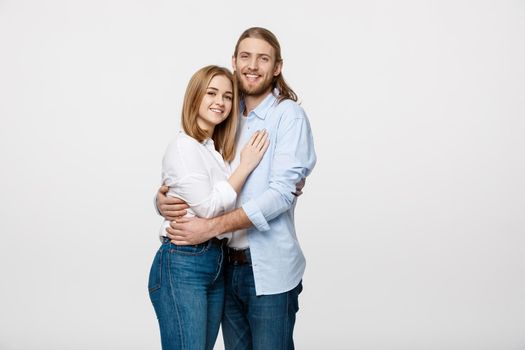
(272, 319)
(257, 322)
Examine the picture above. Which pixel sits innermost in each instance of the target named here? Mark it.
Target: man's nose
(252, 64)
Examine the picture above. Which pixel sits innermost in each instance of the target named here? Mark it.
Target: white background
(412, 222)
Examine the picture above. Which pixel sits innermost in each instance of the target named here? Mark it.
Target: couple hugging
(231, 178)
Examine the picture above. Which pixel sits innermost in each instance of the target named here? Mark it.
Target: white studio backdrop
(412, 222)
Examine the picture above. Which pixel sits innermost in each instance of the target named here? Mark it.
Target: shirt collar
(262, 109)
(208, 142)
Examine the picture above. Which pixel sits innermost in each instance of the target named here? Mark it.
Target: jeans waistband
(214, 241)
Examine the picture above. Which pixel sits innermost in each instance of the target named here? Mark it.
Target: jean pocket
(197, 249)
(155, 273)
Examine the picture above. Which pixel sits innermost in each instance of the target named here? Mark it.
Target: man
(265, 264)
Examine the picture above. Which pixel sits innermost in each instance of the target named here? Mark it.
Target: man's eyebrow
(256, 53)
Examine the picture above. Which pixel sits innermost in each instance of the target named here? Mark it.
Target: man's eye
(265, 59)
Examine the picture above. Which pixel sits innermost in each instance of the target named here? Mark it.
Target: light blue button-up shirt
(277, 259)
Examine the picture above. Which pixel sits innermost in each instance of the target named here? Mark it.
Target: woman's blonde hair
(224, 133)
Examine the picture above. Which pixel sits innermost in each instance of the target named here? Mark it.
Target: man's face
(255, 66)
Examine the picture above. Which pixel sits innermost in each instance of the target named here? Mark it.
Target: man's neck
(252, 101)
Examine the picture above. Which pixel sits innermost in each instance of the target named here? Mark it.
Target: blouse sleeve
(185, 172)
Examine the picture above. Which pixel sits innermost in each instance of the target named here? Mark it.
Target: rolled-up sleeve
(186, 175)
(205, 199)
(294, 158)
(256, 216)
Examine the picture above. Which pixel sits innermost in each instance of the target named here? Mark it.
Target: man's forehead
(255, 46)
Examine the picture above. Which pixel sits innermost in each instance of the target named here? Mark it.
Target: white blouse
(196, 173)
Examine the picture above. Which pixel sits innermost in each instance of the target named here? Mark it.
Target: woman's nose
(219, 100)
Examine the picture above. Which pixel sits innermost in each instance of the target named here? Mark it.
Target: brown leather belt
(238, 256)
(218, 242)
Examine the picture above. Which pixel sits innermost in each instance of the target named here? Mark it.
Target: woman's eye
(229, 98)
(211, 93)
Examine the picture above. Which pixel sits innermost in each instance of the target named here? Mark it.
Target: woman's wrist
(244, 169)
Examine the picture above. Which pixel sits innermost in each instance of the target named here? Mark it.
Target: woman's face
(216, 104)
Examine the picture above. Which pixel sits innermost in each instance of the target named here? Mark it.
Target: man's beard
(257, 90)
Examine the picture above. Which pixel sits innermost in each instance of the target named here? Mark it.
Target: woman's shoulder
(183, 143)
(184, 156)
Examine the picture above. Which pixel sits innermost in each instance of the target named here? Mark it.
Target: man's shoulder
(289, 109)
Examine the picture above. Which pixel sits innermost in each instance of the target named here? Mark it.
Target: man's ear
(234, 63)
(278, 67)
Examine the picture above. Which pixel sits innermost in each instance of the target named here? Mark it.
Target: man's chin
(255, 91)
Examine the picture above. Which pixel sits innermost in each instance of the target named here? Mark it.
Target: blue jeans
(186, 287)
(253, 322)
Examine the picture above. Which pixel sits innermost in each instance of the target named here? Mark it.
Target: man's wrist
(215, 226)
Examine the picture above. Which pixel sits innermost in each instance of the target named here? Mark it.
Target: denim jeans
(186, 287)
(253, 322)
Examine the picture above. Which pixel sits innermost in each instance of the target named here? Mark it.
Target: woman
(186, 283)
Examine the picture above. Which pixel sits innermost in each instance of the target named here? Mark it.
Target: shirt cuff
(255, 215)
(227, 194)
